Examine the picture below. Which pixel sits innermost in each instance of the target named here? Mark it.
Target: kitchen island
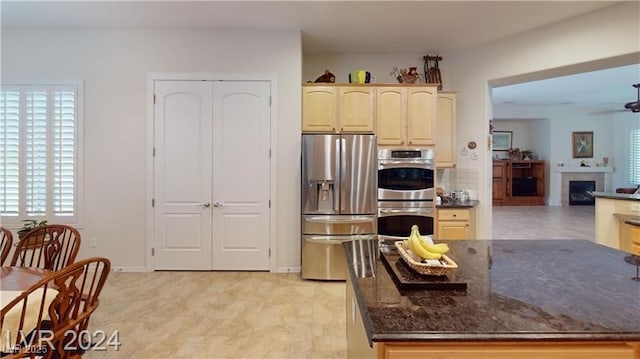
(523, 299)
(614, 212)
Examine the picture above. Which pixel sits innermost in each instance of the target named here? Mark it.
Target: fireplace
(598, 174)
(578, 193)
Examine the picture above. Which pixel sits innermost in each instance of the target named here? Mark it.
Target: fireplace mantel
(584, 169)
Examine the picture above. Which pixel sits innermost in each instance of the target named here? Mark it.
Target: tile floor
(221, 315)
(262, 315)
(536, 222)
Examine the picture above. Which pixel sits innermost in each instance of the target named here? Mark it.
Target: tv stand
(518, 183)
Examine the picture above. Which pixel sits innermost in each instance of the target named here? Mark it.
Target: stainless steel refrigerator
(339, 194)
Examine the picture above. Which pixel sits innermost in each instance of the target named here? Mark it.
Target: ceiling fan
(635, 105)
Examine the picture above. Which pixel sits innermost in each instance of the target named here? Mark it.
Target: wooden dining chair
(25, 330)
(53, 315)
(83, 280)
(53, 246)
(6, 240)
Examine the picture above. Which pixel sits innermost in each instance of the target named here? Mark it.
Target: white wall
(523, 135)
(605, 38)
(114, 65)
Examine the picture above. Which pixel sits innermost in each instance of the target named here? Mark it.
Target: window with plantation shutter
(634, 156)
(39, 162)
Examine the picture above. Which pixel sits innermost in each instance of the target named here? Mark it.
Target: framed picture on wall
(502, 140)
(582, 144)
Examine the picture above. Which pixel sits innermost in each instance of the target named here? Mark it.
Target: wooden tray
(406, 278)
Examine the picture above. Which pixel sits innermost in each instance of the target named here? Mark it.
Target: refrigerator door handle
(337, 239)
(337, 219)
(337, 203)
(343, 167)
(343, 156)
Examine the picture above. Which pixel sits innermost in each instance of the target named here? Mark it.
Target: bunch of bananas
(420, 247)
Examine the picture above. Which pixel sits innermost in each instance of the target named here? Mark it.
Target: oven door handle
(427, 212)
(428, 165)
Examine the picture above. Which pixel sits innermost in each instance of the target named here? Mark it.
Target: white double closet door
(211, 175)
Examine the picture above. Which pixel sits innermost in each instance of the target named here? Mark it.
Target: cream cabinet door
(319, 109)
(421, 114)
(391, 115)
(453, 230)
(446, 130)
(355, 109)
(455, 223)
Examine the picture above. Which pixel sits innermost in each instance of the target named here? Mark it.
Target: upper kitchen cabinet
(355, 109)
(319, 108)
(336, 109)
(446, 130)
(405, 115)
(391, 126)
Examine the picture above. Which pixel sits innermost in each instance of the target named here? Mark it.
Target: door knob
(206, 205)
(217, 204)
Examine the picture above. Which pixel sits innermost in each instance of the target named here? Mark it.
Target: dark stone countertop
(611, 195)
(457, 204)
(517, 290)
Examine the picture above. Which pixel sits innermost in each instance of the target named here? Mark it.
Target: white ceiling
(352, 27)
(598, 92)
(327, 26)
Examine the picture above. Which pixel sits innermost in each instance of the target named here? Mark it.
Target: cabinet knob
(455, 215)
(410, 142)
(333, 129)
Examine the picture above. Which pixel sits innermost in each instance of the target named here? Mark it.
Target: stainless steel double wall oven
(405, 192)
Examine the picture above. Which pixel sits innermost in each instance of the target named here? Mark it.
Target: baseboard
(288, 270)
(144, 269)
(129, 269)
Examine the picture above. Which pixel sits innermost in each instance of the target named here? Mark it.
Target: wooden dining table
(13, 282)
(20, 278)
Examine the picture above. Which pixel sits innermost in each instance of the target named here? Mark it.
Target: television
(524, 186)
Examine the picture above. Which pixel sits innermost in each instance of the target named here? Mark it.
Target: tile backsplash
(451, 179)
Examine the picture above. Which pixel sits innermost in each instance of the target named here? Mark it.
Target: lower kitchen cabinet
(634, 246)
(455, 223)
(521, 350)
